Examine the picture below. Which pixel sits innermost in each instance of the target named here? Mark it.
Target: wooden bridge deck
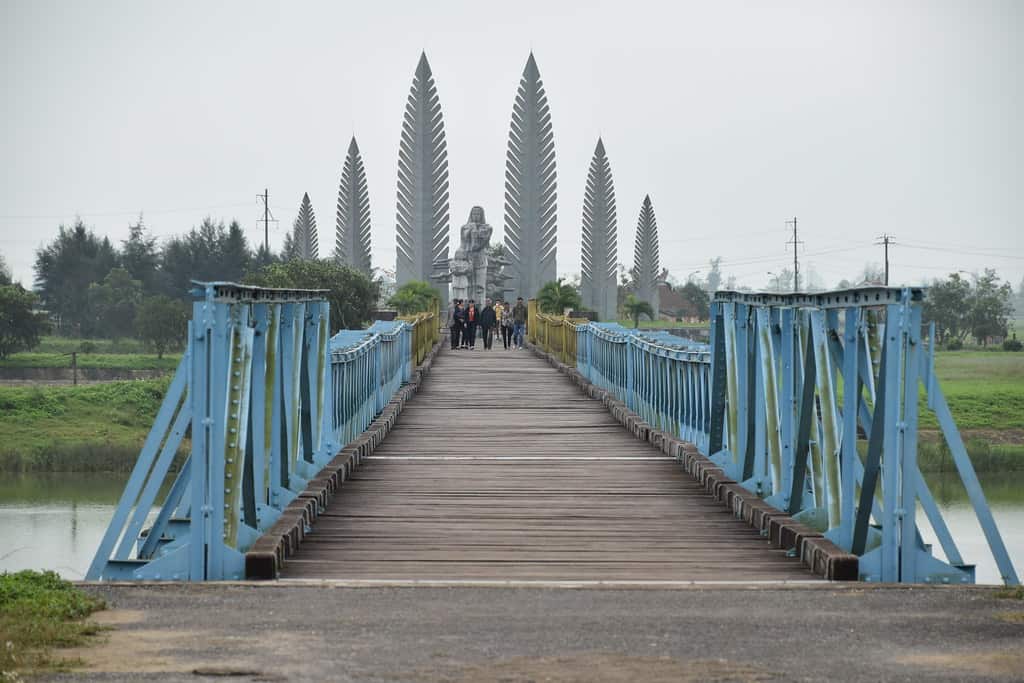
(500, 468)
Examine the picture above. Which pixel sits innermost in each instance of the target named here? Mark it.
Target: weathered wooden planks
(501, 469)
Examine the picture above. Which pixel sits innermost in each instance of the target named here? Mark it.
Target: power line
(796, 242)
(113, 214)
(886, 239)
(267, 218)
(963, 252)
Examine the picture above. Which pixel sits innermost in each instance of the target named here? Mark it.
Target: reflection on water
(1005, 495)
(56, 521)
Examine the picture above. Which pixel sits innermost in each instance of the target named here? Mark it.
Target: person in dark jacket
(472, 320)
(488, 318)
(506, 325)
(458, 325)
(519, 314)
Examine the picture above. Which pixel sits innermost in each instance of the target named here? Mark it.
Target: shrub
(39, 610)
(1012, 344)
(954, 345)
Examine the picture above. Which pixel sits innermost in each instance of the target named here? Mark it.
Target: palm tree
(556, 296)
(635, 308)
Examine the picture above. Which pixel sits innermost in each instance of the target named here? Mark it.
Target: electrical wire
(111, 214)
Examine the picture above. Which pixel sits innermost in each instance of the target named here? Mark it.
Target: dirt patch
(50, 376)
(1011, 617)
(999, 664)
(588, 667)
(204, 653)
(1000, 437)
(118, 617)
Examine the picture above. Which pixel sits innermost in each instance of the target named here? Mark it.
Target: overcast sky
(858, 117)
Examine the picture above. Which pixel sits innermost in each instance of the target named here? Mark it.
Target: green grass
(1010, 593)
(117, 361)
(98, 427)
(123, 354)
(105, 346)
(40, 611)
(985, 390)
(933, 456)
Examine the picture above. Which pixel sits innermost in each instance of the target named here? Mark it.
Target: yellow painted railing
(556, 334)
(425, 332)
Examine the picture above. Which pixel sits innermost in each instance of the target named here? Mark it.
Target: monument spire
(352, 233)
(599, 252)
(645, 256)
(422, 208)
(304, 237)
(530, 197)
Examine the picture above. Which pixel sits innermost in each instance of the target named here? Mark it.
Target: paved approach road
(298, 632)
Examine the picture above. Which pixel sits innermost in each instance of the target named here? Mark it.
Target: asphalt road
(282, 632)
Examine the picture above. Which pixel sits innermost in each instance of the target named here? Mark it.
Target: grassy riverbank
(985, 389)
(111, 361)
(985, 392)
(123, 354)
(40, 611)
(98, 427)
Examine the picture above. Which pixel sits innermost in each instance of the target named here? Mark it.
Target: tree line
(980, 308)
(89, 287)
(86, 286)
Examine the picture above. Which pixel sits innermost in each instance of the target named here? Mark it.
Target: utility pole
(267, 217)
(796, 263)
(886, 239)
(74, 367)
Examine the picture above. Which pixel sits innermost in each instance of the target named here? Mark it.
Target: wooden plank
(514, 474)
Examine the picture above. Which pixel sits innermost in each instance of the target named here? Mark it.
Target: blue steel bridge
(785, 449)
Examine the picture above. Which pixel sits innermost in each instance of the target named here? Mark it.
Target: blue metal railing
(663, 378)
(269, 400)
(778, 400)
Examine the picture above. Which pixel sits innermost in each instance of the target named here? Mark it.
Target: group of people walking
(465, 318)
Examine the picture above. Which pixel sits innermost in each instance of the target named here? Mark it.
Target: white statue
(461, 269)
(467, 269)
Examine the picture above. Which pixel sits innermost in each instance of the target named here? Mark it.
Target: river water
(50, 521)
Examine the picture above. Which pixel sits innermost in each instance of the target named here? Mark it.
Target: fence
(663, 378)
(779, 400)
(269, 398)
(556, 334)
(426, 332)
